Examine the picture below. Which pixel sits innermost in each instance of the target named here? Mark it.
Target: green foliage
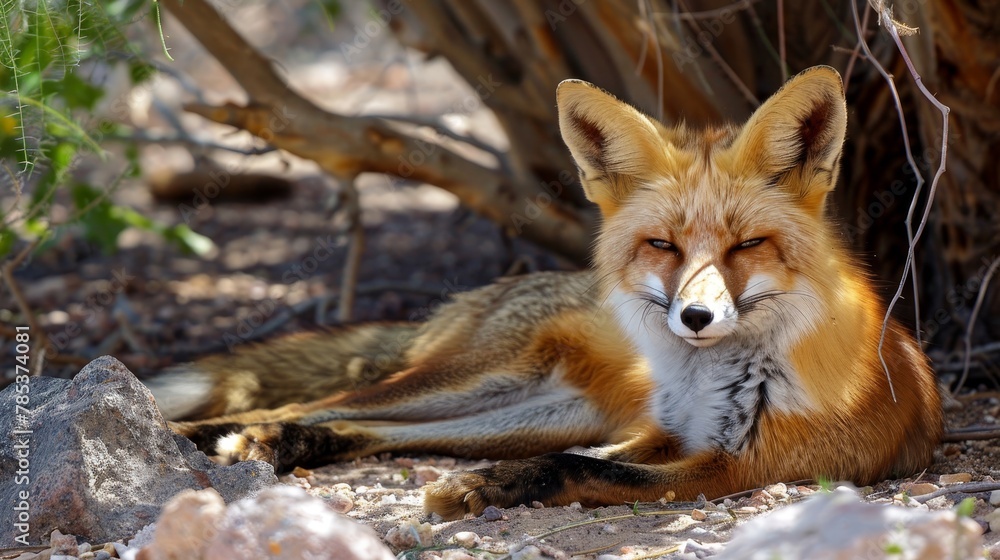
(966, 507)
(48, 51)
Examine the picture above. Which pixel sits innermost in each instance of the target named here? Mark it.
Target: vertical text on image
(21, 434)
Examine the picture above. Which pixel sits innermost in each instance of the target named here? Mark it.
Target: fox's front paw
(258, 442)
(506, 484)
(457, 494)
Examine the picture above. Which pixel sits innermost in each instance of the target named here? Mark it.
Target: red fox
(725, 339)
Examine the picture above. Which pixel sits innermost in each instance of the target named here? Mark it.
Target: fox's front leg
(563, 478)
(526, 429)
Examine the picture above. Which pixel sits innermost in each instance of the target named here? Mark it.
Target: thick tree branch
(346, 146)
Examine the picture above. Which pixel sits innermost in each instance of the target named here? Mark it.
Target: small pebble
(575, 506)
(955, 478)
(993, 518)
(340, 502)
(468, 539)
(492, 513)
(63, 545)
(530, 552)
(410, 533)
(919, 488)
(301, 473)
(537, 505)
(698, 515)
(424, 474)
(995, 498)
(778, 490)
(609, 528)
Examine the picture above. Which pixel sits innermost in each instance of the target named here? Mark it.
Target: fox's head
(721, 232)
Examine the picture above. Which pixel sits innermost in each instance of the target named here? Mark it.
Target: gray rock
(93, 457)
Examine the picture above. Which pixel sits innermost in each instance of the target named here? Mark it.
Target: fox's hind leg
(540, 424)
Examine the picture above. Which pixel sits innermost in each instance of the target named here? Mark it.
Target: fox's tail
(295, 368)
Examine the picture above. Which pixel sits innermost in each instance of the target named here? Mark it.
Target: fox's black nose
(696, 316)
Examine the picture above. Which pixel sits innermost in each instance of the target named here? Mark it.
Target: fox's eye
(749, 243)
(665, 245)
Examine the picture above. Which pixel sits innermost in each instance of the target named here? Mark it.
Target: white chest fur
(709, 398)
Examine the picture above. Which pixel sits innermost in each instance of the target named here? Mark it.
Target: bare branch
(912, 238)
(984, 285)
(349, 277)
(346, 146)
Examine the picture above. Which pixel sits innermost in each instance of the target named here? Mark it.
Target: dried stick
(346, 146)
(912, 238)
(885, 13)
(349, 278)
(781, 40)
(7, 272)
(953, 436)
(726, 68)
(967, 488)
(708, 14)
(972, 322)
(857, 49)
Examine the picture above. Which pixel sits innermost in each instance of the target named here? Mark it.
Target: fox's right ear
(613, 144)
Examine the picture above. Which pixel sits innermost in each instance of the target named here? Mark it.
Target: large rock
(93, 457)
(838, 526)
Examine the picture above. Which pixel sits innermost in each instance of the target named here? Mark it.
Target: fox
(724, 339)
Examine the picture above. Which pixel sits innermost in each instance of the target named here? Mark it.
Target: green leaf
(966, 507)
(187, 239)
(7, 238)
(78, 93)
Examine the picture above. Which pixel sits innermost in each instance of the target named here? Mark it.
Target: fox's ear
(613, 144)
(797, 135)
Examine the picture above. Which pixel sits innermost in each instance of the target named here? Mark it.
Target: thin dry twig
(967, 488)
(895, 30)
(726, 68)
(972, 322)
(970, 434)
(356, 248)
(856, 53)
(708, 14)
(7, 272)
(912, 237)
(646, 10)
(781, 40)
